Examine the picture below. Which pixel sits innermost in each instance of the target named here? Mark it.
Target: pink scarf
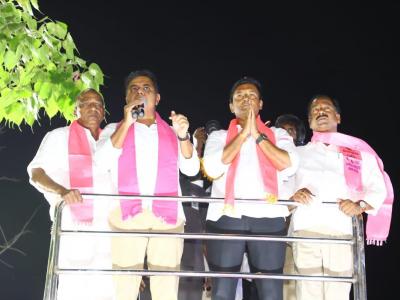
(377, 226)
(80, 172)
(167, 174)
(268, 171)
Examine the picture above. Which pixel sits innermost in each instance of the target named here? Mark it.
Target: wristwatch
(261, 137)
(363, 204)
(184, 138)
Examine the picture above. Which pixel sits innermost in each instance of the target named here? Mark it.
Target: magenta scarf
(167, 174)
(268, 171)
(377, 226)
(80, 172)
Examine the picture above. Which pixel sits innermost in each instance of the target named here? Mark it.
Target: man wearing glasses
(144, 155)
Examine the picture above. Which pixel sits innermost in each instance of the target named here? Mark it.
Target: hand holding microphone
(138, 110)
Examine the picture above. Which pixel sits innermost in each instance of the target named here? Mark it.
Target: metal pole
(205, 274)
(211, 236)
(360, 285)
(52, 276)
(196, 199)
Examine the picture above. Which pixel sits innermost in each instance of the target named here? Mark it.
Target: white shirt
(146, 143)
(77, 251)
(248, 181)
(52, 157)
(321, 171)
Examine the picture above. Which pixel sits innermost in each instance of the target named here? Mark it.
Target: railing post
(50, 291)
(360, 286)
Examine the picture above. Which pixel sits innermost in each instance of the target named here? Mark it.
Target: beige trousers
(322, 259)
(289, 286)
(162, 254)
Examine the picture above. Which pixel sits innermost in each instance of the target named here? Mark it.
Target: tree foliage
(39, 68)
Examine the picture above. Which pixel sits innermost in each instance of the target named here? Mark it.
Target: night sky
(198, 49)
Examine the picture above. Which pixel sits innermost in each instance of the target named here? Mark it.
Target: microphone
(138, 110)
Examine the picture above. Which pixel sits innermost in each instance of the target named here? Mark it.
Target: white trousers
(86, 252)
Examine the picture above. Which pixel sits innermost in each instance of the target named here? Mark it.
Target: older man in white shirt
(248, 161)
(62, 168)
(144, 155)
(331, 169)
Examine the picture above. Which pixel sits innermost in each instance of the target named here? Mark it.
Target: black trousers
(264, 256)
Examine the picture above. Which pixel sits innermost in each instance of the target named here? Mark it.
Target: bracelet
(184, 138)
(261, 137)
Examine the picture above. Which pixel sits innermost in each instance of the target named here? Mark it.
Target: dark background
(198, 49)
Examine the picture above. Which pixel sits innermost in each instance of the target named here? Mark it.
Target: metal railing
(357, 241)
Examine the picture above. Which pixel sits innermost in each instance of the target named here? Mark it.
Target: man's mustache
(321, 116)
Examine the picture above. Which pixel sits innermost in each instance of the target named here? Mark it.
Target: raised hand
(253, 124)
(180, 124)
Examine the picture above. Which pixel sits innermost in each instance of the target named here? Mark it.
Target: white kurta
(146, 143)
(321, 171)
(248, 181)
(79, 251)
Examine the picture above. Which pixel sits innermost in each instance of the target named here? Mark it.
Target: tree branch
(8, 245)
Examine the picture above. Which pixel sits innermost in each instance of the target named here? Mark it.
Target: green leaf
(47, 40)
(67, 107)
(35, 4)
(37, 65)
(43, 52)
(69, 46)
(15, 113)
(58, 29)
(30, 119)
(51, 107)
(45, 90)
(7, 10)
(87, 79)
(5, 76)
(15, 27)
(6, 98)
(80, 62)
(95, 70)
(23, 93)
(10, 59)
(15, 42)
(2, 51)
(26, 5)
(31, 22)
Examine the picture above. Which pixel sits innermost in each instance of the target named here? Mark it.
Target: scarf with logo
(378, 226)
